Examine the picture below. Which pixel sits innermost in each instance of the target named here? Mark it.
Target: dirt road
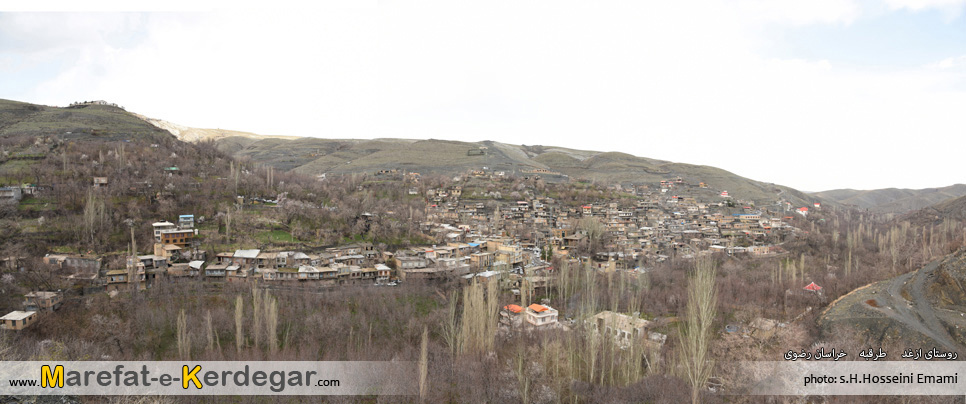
(917, 313)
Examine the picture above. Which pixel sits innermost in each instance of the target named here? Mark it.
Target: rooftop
(246, 254)
(42, 295)
(18, 315)
(621, 321)
(513, 308)
(539, 308)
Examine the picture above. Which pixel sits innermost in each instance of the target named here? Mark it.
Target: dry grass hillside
(81, 122)
(953, 209)
(893, 200)
(555, 164)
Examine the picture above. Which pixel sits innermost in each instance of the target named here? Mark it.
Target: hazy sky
(814, 94)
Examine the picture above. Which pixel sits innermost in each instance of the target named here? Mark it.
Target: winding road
(918, 314)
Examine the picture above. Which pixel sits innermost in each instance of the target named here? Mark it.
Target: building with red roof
(813, 287)
(540, 315)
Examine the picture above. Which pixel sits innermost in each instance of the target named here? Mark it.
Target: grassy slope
(343, 156)
(315, 155)
(83, 122)
(23, 123)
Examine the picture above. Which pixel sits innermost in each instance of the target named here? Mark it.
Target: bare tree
(239, 314)
(93, 214)
(696, 331)
(423, 364)
(184, 340)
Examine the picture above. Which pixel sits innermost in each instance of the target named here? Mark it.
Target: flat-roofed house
(481, 260)
(14, 194)
(328, 275)
(79, 263)
(287, 274)
(267, 260)
(117, 279)
(410, 262)
(237, 273)
(624, 329)
(224, 257)
(180, 237)
(161, 227)
(245, 258)
(216, 271)
(18, 320)
(355, 259)
(309, 273)
(186, 221)
(43, 301)
(383, 273)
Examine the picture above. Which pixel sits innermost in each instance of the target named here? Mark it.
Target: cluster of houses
(176, 256)
(652, 228)
(35, 303)
(480, 238)
(355, 263)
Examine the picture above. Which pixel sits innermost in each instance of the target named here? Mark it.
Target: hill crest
(427, 156)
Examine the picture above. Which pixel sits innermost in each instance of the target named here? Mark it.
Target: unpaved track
(917, 314)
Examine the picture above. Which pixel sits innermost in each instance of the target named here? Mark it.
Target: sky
(816, 95)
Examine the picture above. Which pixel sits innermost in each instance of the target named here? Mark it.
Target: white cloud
(917, 5)
(951, 9)
(949, 63)
(797, 12)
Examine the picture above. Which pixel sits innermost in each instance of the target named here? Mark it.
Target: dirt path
(917, 314)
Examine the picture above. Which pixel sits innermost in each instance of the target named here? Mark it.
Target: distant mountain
(189, 134)
(893, 200)
(953, 209)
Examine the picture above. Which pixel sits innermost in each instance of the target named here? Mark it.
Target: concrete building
(18, 320)
(43, 301)
(539, 315)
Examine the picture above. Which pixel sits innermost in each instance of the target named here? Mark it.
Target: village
(511, 243)
(631, 202)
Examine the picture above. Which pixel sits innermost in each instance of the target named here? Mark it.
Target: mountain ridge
(894, 200)
(315, 156)
(557, 164)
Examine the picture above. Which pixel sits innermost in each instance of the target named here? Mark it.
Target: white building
(540, 315)
(161, 227)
